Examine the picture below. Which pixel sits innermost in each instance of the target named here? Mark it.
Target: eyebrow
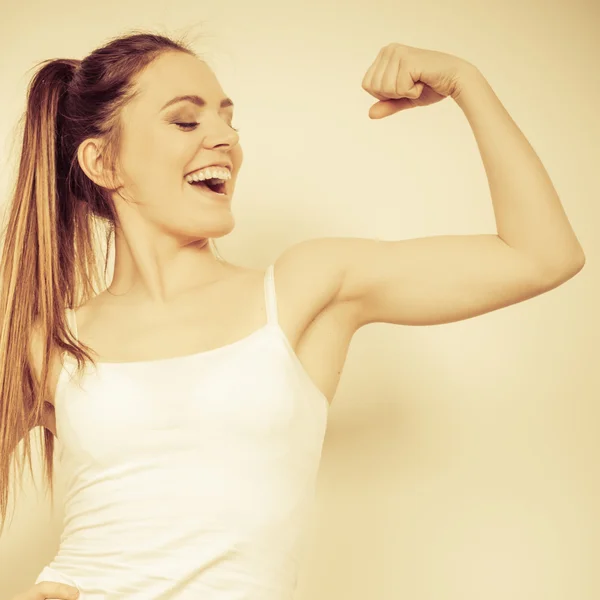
(197, 100)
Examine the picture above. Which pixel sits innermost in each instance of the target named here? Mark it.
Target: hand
(405, 77)
(49, 589)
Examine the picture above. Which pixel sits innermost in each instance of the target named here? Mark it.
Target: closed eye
(186, 125)
(190, 126)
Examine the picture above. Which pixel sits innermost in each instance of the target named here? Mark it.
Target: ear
(91, 161)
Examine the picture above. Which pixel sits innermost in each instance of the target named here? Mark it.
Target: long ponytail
(32, 272)
(48, 259)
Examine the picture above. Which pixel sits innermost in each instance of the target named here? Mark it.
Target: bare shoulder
(311, 278)
(309, 264)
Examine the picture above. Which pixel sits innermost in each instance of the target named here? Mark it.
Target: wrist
(468, 76)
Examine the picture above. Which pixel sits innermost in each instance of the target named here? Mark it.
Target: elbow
(565, 270)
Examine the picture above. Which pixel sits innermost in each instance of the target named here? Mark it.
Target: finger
(382, 80)
(393, 77)
(50, 589)
(408, 84)
(380, 110)
(368, 83)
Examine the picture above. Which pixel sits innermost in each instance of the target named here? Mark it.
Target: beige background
(461, 460)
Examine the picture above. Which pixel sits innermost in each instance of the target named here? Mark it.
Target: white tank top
(188, 477)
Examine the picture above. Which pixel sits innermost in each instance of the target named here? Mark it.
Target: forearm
(529, 214)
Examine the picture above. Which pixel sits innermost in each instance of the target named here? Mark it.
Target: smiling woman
(133, 136)
(191, 395)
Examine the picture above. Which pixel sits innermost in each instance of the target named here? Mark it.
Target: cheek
(155, 160)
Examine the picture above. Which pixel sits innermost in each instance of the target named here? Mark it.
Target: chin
(217, 230)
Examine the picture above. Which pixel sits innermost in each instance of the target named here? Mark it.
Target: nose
(221, 135)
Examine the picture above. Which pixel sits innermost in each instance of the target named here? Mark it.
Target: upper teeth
(209, 173)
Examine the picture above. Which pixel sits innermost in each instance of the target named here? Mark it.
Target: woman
(190, 397)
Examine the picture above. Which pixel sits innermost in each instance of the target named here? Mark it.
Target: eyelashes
(191, 126)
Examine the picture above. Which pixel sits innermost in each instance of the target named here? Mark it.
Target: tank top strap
(72, 322)
(270, 295)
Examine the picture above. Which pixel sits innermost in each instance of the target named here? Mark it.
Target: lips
(225, 165)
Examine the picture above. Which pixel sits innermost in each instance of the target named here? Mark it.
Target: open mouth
(212, 185)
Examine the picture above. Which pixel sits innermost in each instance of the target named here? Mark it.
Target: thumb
(385, 108)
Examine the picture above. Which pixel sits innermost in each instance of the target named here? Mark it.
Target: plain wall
(461, 460)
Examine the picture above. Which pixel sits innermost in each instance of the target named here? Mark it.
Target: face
(161, 146)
